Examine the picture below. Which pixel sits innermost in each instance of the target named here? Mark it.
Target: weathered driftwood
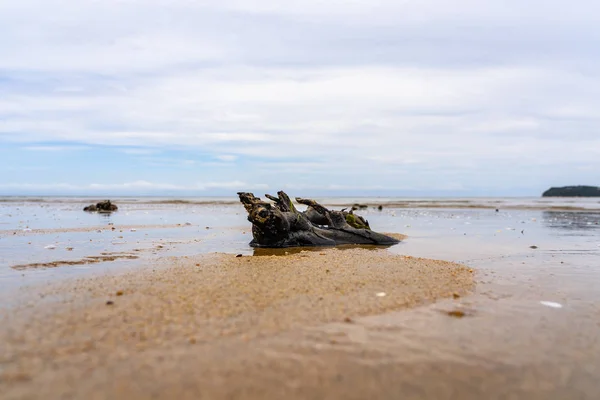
(280, 224)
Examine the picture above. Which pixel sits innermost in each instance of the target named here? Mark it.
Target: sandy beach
(162, 307)
(182, 327)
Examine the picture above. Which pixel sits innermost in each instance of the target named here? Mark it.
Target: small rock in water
(533, 247)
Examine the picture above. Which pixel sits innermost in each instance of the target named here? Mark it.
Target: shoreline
(201, 303)
(587, 204)
(83, 229)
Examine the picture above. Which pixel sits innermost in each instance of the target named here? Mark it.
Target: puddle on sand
(105, 257)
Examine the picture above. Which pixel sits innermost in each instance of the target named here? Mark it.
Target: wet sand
(214, 326)
(500, 341)
(120, 228)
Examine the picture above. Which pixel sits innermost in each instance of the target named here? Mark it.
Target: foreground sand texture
(215, 326)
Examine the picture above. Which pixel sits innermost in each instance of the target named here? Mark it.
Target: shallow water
(530, 329)
(44, 232)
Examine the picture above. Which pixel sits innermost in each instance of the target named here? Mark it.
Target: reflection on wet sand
(261, 251)
(570, 221)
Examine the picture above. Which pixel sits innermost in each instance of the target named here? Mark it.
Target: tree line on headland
(572, 191)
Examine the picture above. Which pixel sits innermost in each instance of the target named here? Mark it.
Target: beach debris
(119, 293)
(188, 224)
(50, 247)
(456, 313)
(348, 320)
(551, 304)
(380, 294)
(27, 230)
(133, 230)
(110, 303)
(69, 248)
(533, 247)
(280, 224)
(102, 207)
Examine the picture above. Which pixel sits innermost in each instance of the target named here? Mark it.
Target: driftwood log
(280, 224)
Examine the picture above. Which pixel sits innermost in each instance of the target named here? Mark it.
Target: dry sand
(200, 327)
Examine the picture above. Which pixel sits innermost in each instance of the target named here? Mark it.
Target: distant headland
(573, 191)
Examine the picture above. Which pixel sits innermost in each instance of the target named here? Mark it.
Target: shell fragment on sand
(551, 304)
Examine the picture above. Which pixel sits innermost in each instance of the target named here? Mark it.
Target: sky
(315, 97)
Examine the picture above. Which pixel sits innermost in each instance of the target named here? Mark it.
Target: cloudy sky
(390, 97)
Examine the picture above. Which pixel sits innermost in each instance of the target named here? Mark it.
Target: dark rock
(573, 191)
(103, 206)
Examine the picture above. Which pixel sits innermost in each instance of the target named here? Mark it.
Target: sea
(533, 318)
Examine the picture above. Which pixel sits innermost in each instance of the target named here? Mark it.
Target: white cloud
(226, 157)
(137, 151)
(56, 148)
(431, 92)
(133, 186)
